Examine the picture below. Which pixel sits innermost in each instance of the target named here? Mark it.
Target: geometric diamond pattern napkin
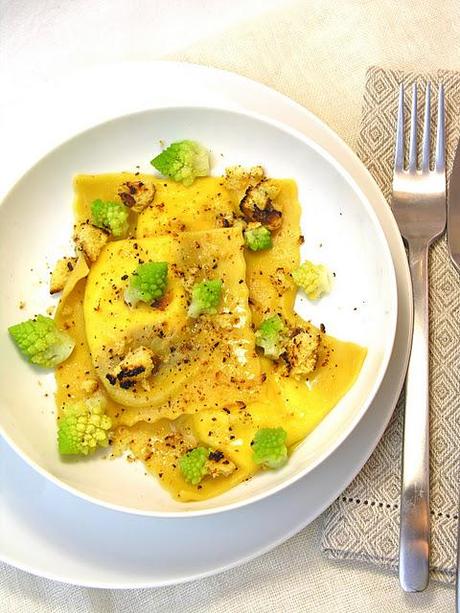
(363, 524)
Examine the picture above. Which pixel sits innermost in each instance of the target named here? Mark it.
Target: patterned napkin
(363, 524)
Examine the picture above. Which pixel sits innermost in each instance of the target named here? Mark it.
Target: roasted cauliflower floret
(60, 274)
(256, 195)
(238, 179)
(137, 366)
(137, 195)
(262, 194)
(217, 465)
(257, 205)
(89, 240)
(226, 220)
(89, 385)
(301, 354)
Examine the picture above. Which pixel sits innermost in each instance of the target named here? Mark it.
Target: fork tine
(440, 161)
(426, 131)
(413, 132)
(399, 151)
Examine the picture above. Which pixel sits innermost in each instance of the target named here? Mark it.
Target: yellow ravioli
(212, 388)
(203, 361)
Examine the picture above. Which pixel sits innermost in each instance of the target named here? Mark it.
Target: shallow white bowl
(340, 228)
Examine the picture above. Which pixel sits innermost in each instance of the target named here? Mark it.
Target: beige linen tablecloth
(317, 52)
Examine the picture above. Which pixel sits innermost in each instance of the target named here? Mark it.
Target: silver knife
(453, 211)
(457, 590)
(453, 241)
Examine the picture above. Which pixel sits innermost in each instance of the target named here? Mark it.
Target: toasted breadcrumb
(301, 356)
(217, 465)
(137, 366)
(89, 240)
(137, 195)
(61, 273)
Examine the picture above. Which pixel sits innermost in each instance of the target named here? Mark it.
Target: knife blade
(453, 211)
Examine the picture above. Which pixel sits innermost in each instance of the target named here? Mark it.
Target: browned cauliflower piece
(226, 220)
(137, 366)
(238, 179)
(257, 205)
(60, 274)
(137, 195)
(217, 465)
(89, 240)
(301, 355)
(89, 385)
(255, 194)
(262, 193)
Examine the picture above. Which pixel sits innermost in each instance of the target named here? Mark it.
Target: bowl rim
(392, 287)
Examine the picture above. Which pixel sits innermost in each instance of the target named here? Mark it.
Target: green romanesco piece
(314, 279)
(269, 447)
(41, 342)
(258, 238)
(193, 465)
(83, 427)
(270, 336)
(147, 283)
(110, 216)
(183, 162)
(205, 298)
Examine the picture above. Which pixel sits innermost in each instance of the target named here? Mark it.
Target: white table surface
(316, 52)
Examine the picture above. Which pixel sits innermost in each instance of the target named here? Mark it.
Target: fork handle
(414, 543)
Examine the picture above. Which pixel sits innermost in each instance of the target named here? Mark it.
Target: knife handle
(457, 583)
(414, 543)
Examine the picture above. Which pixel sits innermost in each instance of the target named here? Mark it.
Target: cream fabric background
(317, 52)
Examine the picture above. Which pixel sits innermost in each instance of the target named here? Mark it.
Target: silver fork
(419, 206)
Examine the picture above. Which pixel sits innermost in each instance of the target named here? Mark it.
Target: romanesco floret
(270, 337)
(147, 283)
(205, 298)
(258, 238)
(83, 427)
(314, 279)
(269, 447)
(193, 465)
(183, 162)
(41, 342)
(110, 216)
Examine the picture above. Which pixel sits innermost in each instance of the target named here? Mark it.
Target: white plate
(341, 230)
(35, 545)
